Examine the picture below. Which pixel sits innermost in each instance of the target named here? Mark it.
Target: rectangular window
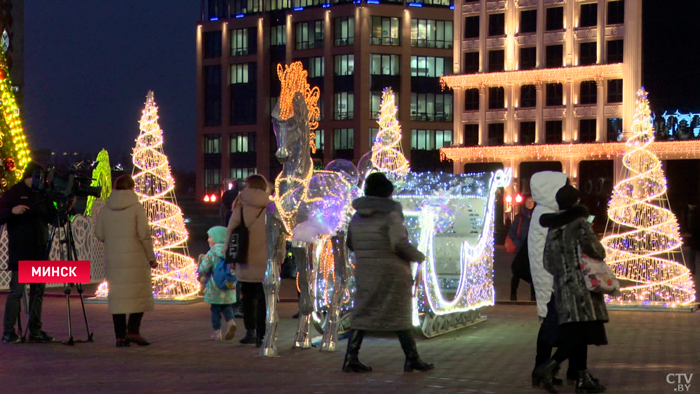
(615, 51)
(385, 31)
(431, 107)
(245, 7)
(553, 132)
(497, 98)
(555, 94)
(212, 144)
(614, 133)
(589, 15)
(615, 91)
(616, 12)
(471, 63)
(528, 96)
(471, 27)
(430, 139)
(528, 21)
(587, 130)
(344, 31)
(242, 173)
(471, 134)
(344, 106)
(309, 35)
(471, 100)
(278, 35)
(242, 143)
(373, 135)
(212, 179)
(320, 140)
(212, 95)
(588, 53)
(212, 44)
(316, 67)
(497, 25)
(239, 73)
(589, 92)
(384, 64)
(428, 66)
(274, 5)
(497, 60)
(344, 65)
(496, 134)
(239, 42)
(528, 58)
(310, 3)
(527, 133)
(429, 33)
(555, 56)
(375, 99)
(343, 139)
(555, 18)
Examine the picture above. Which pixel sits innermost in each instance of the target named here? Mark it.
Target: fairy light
(387, 152)
(643, 236)
(294, 80)
(101, 176)
(11, 126)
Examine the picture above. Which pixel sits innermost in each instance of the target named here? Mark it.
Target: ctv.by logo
(681, 379)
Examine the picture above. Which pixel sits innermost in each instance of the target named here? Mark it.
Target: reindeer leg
(271, 281)
(304, 253)
(340, 259)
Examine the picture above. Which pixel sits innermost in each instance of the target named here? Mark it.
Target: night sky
(89, 64)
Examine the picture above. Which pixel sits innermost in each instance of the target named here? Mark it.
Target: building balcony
(470, 44)
(554, 112)
(470, 116)
(586, 33)
(554, 36)
(585, 110)
(526, 38)
(471, 8)
(496, 42)
(615, 31)
(613, 110)
(529, 113)
(496, 115)
(499, 5)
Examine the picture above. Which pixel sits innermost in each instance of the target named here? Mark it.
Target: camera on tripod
(61, 186)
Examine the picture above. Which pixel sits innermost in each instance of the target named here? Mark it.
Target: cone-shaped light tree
(101, 176)
(14, 153)
(387, 152)
(643, 242)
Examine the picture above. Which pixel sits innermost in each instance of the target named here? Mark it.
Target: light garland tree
(387, 151)
(14, 152)
(643, 242)
(101, 176)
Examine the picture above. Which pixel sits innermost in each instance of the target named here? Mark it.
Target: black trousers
(576, 352)
(13, 309)
(120, 325)
(254, 307)
(515, 283)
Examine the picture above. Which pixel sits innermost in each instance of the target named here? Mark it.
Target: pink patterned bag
(598, 275)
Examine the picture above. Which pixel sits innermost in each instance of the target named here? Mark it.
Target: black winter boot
(352, 361)
(537, 382)
(587, 384)
(413, 361)
(545, 374)
(249, 337)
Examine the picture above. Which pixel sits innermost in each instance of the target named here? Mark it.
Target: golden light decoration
(294, 80)
(387, 151)
(15, 143)
(643, 241)
(101, 176)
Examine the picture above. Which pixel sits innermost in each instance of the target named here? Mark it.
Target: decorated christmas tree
(387, 152)
(101, 176)
(643, 242)
(14, 153)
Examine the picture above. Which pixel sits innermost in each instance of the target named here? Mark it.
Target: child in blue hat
(220, 300)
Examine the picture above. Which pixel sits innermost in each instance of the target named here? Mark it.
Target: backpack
(238, 243)
(222, 275)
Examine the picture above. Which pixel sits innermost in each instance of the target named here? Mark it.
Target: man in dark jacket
(518, 234)
(27, 215)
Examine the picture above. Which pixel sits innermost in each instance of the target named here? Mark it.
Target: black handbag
(237, 247)
(521, 264)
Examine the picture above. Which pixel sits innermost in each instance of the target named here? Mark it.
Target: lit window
(384, 64)
(239, 73)
(344, 106)
(239, 42)
(428, 66)
(428, 33)
(309, 35)
(385, 31)
(242, 142)
(212, 144)
(278, 35)
(344, 65)
(344, 31)
(343, 139)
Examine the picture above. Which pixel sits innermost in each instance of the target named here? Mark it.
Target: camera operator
(27, 215)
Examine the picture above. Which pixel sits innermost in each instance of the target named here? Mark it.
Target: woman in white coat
(123, 227)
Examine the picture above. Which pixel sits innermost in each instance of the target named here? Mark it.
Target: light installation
(14, 151)
(387, 153)
(643, 242)
(294, 80)
(101, 176)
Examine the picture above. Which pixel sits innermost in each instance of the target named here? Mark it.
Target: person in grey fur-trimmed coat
(384, 282)
(581, 313)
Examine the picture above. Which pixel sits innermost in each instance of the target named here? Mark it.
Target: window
(589, 15)
(586, 130)
(471, 134)
(471, 27)
(528, 21)
(428, 33)
(528, 96)
(589, 92)
(528, 58)
(430, 139)
(555, 18)
(555, 94)
(422, 66)
(431, 107)
(471, 63)
(471, 100)
(343, 139)
(555, 56)
(588, 54)
(496, 60)
(212, 179)
(372, 135)
(344, 105)
(615, 91)
(242, 143)
(384, 64)
(441, 3)
(309, 35)
(344, 65)
(614, 129)
(212, 144)
(243, 173)
(310, 3)
(239, 42)
(239, 73)
(552, 132)
(615, 51)
(616, 12)
(385, 31)
(278, 35)
(212, 96)
(375, 100)
(528, 133)
(496, 134)
(245, 7)
(497, 25)
(212, 44)
(273, 5)
(316, 67)
(344, 31)
(320, 140)
(497, 98)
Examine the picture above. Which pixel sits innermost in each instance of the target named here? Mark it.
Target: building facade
(352, 49)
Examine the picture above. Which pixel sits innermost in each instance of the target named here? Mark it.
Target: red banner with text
(54, 272)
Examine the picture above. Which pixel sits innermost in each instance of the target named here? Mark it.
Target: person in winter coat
(518, 234)
(581, 313)
(250, 206)
(123, 227)
(220, 300)
(383, 274)
(27, 215)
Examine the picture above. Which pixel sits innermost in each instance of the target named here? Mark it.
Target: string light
(293, 79)
(387, 151)
(16, 145)
(643, 236)
(101, 176)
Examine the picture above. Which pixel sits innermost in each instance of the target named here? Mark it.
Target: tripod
(62, 227)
